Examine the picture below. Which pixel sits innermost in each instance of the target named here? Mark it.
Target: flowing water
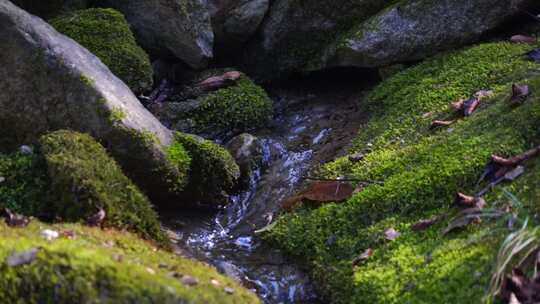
(312, 125)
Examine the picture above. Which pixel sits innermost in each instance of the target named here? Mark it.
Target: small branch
(516, 160)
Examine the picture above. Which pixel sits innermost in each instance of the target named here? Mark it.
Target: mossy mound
(85, 179)
(86, 265)
(241, 107)
(213, 169)
(106, 33)
(24, 182)
(70, 177)
(421, 171)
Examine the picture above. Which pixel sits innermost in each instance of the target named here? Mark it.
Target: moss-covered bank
(422, 170)
(70, 177)
(106, 33)
(89, 265)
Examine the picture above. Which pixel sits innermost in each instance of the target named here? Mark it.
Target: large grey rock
(49, 82)
(234, 22)
(179, 28)
(295, 31)
(413, 30)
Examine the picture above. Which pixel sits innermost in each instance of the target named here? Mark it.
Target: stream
(315, 121)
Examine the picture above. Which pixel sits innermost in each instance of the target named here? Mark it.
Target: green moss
(117, 115)
(400, 103)
(106, 33)
(213, 169)
(421, 171)
(97, 266)
(25, 181)
(241, 107)
(180, 158)
(84, 179)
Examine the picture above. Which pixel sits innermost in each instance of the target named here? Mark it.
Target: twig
(341, 180)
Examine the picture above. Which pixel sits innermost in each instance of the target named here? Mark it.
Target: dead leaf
(457, 105)
(523, 39)
(391, 234)
(96, 219)
(470, 105)
(519, 94)
(368, 253)
(424, 224)
(356, 157)
(14, 219)
(69, 234)
(517, 287)
(516, 160)
(220, 81)
(441, 123)
(22, 258)
(484, 94)
(534, 55)
(463, 200)
(319, 193)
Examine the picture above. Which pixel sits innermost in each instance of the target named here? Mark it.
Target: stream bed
(315, 122)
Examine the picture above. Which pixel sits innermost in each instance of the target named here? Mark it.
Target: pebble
(2, 179)
(49, 235)
(26, 149)
(189, 281)
(228, 290)
(215, 282)
(150, 270)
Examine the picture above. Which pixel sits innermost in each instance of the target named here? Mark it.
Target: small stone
(2, 179)
(150, 270)
(356, 157)
(391, 234)
(22, 258)
(228, 290)
(49, 235)
(26, 149)
(215, 282)
(189, 281)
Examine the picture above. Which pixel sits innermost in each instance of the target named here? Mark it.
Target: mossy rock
(237, 108)
(50, 8)
(213, 170)
(420, 170)
(106, 33)
(84, 179)
(90, 265)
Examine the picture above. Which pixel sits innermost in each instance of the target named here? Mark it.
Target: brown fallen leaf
(96, 219)
(368, 253)
(391, 234)
(441, 123)
(424, 224)
(523, 39)
(457, 105)
(218, 82)
(463, 200)
(519, 94)
(69, 234)
(14, 219)
(516, 160)
(22, 258)
(319, 193)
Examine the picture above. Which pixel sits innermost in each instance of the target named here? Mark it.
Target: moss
(106, 33)
(421, 170)
(84, 179)
(243, 106)
(97, 266)
(117, 115)
(25, 181)
(178, 155)
(213, 169)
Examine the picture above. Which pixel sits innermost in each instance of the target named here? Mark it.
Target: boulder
(51, 8)
(414, 30)
(234, 22)
(106, 33)
(165, 28)
(247, 150)
(294, 31)
(49, 82)
(214, 173)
